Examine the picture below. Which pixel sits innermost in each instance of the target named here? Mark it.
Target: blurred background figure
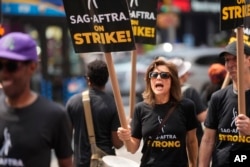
(217, 74)
(1, 88)
(188, 91)
(104, 113)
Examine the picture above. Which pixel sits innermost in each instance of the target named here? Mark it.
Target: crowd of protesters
(166, 120)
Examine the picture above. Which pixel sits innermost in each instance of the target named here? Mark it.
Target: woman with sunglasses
(164, 120)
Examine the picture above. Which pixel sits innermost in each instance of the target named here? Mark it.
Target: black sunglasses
(10, 66)
(163, 75)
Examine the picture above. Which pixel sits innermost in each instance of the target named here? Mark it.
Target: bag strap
(96, 151)
(164, 120)
(146, 153)
(88, 118)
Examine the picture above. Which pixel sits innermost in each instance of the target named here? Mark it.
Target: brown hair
(175, 89)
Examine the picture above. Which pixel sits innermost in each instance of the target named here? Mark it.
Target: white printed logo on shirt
(4, 152)
(6, 144)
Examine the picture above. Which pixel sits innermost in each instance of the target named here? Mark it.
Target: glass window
(76, 62)
(54, 50)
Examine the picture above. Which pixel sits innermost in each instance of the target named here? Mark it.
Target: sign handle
(115, 87)
(132, 93)
(240, 72)
(226, 81)
(116, 91)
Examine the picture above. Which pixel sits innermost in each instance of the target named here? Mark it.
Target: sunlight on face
(160, 86)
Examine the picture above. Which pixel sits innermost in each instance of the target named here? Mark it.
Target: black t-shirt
(223, 109)
(168, 145)
(191, 93)
(207, 92)
(105, 119)
(28, 134)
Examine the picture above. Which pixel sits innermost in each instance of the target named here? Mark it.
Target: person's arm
(202, 116)
(206, 147)
(117, 143)
(192, 147)
(65, 162)
(132, 144)
(63, 141)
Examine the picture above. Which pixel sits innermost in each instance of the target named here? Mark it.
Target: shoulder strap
(165, 119)
(96, 151)
(88, 116)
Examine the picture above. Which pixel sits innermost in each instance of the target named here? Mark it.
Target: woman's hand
(124, 134)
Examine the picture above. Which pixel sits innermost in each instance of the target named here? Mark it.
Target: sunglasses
(10, 66)
(163, 75)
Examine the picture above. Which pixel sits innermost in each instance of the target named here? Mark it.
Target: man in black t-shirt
(30, 125)
(104, 114)
(224, 123)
